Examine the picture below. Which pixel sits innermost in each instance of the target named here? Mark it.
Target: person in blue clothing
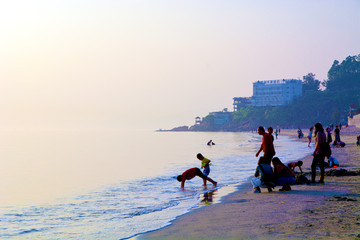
(263, 177)
(332, 162)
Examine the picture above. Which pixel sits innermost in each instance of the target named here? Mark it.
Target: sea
(117, 184)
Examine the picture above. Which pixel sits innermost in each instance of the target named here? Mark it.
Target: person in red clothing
(267, 145)
(191, 173)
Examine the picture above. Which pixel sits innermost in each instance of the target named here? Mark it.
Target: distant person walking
(310, 136)
(319, 153)
(266, 146)
(190, 174)
(210, 143)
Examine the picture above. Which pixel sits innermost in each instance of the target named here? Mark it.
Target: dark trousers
(268, 157)
(318, 160)
(200, 174)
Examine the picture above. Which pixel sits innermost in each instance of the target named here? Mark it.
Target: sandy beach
(321, 211)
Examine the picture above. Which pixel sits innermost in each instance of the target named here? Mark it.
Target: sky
(140, 64)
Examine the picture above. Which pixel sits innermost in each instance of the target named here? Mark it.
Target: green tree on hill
(341, 90)
(310, 83)
(345, 75)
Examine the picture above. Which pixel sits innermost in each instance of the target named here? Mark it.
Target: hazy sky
(158, 64)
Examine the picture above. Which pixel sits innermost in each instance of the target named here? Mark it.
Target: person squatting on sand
(266, 146)
(205, 164)
(191, 173)
(283, 175)
(263, 177)
(300, 133)
(319, 154)
(332, 162)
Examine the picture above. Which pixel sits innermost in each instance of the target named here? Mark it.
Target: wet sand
(321, 211)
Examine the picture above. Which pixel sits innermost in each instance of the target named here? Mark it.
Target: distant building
(353, 110)
(198, 121)
(276, 92)
(221, 118)
(240, 102)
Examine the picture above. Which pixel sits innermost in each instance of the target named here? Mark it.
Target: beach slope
(321, 211)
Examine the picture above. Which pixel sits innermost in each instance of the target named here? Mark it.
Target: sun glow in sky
(158, 64)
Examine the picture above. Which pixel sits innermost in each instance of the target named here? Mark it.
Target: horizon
(151, 65)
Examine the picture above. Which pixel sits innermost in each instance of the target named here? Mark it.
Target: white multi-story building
(276, 92)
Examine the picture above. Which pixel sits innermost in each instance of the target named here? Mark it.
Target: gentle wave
(126, 208)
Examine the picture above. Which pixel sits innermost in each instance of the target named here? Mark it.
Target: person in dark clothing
(191, 173)
(284, 176)
(319, 154)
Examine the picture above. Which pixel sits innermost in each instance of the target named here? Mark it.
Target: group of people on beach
(266, 176)
(280, 174)
(284, 175)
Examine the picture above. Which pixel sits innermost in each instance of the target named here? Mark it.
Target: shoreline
(242, 214)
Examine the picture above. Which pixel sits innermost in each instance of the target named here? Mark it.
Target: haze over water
(114, 184)
(92, 67)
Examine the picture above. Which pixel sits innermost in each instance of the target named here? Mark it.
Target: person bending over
(191, 173)
(293, 165)
(283, 174)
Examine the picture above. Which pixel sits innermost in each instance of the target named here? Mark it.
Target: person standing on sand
(328, 136)
(266, 146)
(337, 134)
(191, 173)
(270, 131)
(310, 136)
(319, 154)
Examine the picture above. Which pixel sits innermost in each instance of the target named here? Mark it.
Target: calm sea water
(115, 184)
